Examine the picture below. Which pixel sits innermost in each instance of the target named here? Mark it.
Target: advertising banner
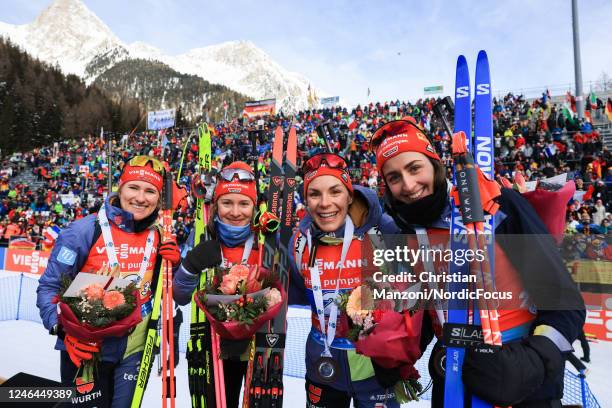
(163, 119)
(598, 321)
(259, 108)
(330, 101)
(26, 260)
(432, 90)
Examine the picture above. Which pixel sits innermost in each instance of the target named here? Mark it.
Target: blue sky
(393, 47)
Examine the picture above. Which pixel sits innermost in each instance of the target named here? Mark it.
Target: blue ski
(483, 148)
(457, 309)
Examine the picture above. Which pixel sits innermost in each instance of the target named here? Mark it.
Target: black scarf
(421, 212)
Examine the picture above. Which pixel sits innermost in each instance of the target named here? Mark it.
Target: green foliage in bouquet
(98, 307)
(408, 390)
(239, 280)
(244, 310)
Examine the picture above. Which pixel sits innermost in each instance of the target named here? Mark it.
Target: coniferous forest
(39, 104)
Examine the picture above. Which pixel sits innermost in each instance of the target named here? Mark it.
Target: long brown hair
(210, 223)
(439, 173)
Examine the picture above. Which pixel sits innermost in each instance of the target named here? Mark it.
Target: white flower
(273, 297)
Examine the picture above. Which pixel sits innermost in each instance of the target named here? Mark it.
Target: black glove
(386, 377)
(509, 374)
(57, 330)
(205, 255)
(233, 349)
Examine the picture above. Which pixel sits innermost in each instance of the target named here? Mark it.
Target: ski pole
(325, 131)
(178, 176)
(168, 381)
(473, 218)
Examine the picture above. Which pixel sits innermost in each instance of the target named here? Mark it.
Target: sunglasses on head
(142, 161)
(391, 128)
(330, 160)
(241, 174)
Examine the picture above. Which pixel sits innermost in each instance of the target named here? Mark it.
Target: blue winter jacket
(356, 371)
(69, 254)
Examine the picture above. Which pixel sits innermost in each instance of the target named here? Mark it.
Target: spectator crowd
(536, 138)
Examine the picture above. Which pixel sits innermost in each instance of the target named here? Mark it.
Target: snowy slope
(26, 347)
(67, 33)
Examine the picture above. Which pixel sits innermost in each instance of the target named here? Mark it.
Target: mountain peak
(71, 17)
(67, 33)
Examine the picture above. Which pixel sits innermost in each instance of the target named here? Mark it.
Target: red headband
(141, 173)
(400, 137)
(237, 187)
(341, 175)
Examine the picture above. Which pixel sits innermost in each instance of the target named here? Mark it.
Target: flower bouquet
(239, 300)
(391, 339)
(95, 314)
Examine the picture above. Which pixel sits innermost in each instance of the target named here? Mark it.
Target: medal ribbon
(110, 245)
(317, 291)
(246, 252)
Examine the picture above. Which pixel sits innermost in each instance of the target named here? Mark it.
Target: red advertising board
(259, 108)
(26, 260)
(599, 315)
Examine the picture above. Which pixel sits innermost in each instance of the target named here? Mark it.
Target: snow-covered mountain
(66, 33)
(70, 35)
(243, 67)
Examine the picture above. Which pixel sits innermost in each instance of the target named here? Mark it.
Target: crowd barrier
(18, 302)
(591, 275)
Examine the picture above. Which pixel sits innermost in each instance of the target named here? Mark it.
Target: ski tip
(482, 54)
(461, 60)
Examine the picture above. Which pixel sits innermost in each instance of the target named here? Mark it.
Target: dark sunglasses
(331, 160)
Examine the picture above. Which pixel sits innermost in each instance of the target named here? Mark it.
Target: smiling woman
(232, 242)
(329, 250)
(536, 338)
(140, 186)
(328, 190)
(96, 244)
(139, 198)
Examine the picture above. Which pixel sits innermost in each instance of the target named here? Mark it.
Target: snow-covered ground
(26, 347)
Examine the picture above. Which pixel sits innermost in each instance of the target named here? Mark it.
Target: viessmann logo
(311, 175)
(124, 251)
